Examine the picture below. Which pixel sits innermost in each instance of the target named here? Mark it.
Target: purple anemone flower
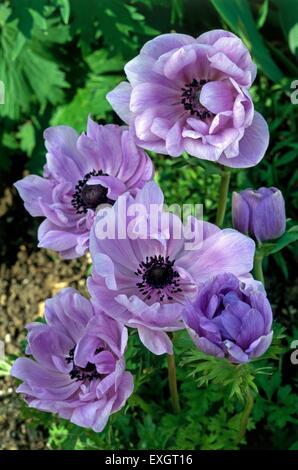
(81, 173)
(259, 213)
(187, 94)
(143, 277)
(78, 369)
(230, 320)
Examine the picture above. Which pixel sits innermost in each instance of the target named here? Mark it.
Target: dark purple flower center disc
(89, 196)
(83, 373)
(159, 276)
(190, 98)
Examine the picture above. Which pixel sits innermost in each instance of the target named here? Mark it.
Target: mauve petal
(61, 142)
(225, 251)
(158, 342)
(124, 390)
(237, 308)
(84, 350)
(217, 96)
(208, 347)
(174, 140)
(231, 323)
(105, 299)
(269, 217)
(45, 342)
(235, 353)
(258, 347)
(150, 194)
(140, 70)
(252, 146)
(68, 312)
(164, 43)
(210, 37)
(229, 55)
(202, 151)
(57, 239)
(260, 302)
(240, 213)
(105, 362)
(119, 99)
(146, 95)
(32, 190)
(137, 167)
(28, 370)
(178, 61)
(104, 266)
(93, 415)
(252, 328)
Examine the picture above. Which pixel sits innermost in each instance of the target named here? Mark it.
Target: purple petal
(252, 146)
(225, 251)
(32, 190)
(258, 347)
(217, 96)
(158, 342)
(119, 99)
(235, 353)
(164, 43)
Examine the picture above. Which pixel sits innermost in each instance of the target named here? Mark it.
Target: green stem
(245, 416)
(258, 267)
(173, 383)
(223, 196)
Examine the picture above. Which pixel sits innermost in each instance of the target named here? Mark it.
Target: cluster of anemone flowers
(182, 95)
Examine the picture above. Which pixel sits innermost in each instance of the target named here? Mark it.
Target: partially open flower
(260, 214)
(78, 369)
(229, 320)
(187, 94)
(81, 173)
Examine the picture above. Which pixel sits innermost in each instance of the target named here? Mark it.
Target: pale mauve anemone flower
(191, 95)
(78, 368)
(81, 173)
(143, 280)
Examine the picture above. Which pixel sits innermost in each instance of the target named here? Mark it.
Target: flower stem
(173, 383)
(245, 416)
(258, 268)
(223, 196)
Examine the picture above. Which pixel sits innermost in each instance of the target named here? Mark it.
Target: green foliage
(104, 74)
(290, 236)
(58, 60)
(5, 366)
(27, 68)
(237, 379)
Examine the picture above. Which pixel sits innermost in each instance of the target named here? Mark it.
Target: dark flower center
(89, 196)
(190, 98)
(158, 276)
(79, 373)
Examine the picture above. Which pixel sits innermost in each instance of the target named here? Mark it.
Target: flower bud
(259, 213)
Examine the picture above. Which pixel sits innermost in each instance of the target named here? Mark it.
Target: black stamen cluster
(190, 99)
(157, 273)
(89, 196)
(78, 373)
